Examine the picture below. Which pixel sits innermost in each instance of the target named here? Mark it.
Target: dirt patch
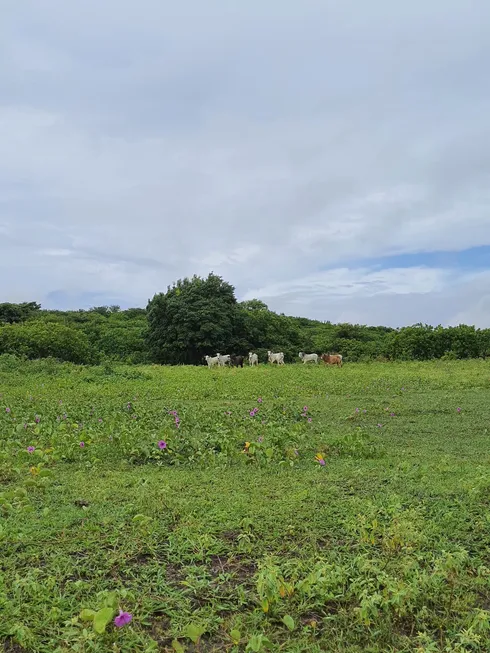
(9, 646)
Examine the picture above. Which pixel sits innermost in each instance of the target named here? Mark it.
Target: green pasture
(195, 500)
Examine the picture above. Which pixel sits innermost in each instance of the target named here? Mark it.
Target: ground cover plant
(291, 509)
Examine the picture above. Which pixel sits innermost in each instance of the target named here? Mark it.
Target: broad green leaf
(177, 646)
(235, 636)
(194, 632)
(102, 618)
(87, 615)
(288, 621)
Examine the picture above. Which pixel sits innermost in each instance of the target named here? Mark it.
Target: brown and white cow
(332, 359)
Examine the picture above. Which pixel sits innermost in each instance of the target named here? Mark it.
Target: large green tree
(193, 318)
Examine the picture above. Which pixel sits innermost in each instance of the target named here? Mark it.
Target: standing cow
(253, 359)
(275, 358)
(237, 361)
(332, 359)
(212, 362)
(223, 359)
(308, 358)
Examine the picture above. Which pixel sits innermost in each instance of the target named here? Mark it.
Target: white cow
(253, 359)
(276, 358)
(223, 359)
(308, 358)
(211, 361)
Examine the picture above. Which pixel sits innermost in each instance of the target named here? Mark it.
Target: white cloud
(176, 147)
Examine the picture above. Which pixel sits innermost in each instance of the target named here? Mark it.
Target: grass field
(197, 501)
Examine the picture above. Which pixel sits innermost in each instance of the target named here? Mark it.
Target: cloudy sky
(331, 158)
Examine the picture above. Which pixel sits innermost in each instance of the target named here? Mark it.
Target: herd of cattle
(220, 360)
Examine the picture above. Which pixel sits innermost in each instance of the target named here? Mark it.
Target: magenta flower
(379, 425)
(7, 410)
(392, 414)
(37, 419)
(252, 413)
(305, 409)
(31, 449)
(321, 462)
(259, 400)
(458, 410)
(129, 405)
(357, 410)
(162, 445)
(82, 444)
(309, 419)
(122, 619)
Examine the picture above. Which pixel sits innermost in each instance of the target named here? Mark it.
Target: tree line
(200, 316)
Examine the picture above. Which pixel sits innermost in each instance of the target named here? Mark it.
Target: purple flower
(309, 419)
(458, 410)
(100, 420)
(7, 410)
(31, 449)
(162, 444)
(357, 410)
(392, 414)
(305, 409)
(129, 405)
(252, 413)
(379, 425)
(261, 439)
(321, 462)
(37, 419)
(259, 400)
(122, 619)
(82, 444)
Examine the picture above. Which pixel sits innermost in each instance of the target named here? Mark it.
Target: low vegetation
(302, 508)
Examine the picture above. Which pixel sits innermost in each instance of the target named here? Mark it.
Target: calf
(211, 361)
(237, 361)
(253, 359)
(332, 359)
(308, 358)
(275, 358)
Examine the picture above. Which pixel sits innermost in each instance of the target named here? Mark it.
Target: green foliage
(38, 340)
(15, 313)
(193, 318)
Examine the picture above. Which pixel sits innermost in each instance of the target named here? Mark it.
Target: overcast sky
(330, 158)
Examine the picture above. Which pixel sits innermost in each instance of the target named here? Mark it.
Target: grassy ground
(233, 537)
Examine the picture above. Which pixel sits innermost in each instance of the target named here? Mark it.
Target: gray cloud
(145, 141)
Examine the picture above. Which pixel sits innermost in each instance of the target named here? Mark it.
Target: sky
(329, 158)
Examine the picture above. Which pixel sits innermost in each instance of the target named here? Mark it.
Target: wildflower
(162, 445)
(247, 447)
(129, 405)
(260, 439)
(252, 413)
(122, 619)
(357, 410)
(31, 449)
(296, 452)
(458, 410)
(37, 419)
(309, 419)
(100, 420)
(305, 409)
(379, 425)
(259, 400)
(320, 459)
(364, 411)
(60, 402)
(7, 410)
(392, 414)
(82, 444)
